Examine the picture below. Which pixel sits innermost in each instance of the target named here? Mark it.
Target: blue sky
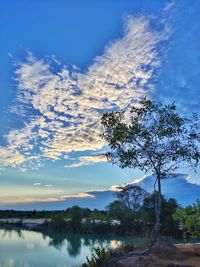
(64, 63)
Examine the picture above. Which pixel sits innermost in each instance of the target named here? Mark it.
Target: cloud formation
(87, 160)
(62, 109)
(36, 184)
(21, 200)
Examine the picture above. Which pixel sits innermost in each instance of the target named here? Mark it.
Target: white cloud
(36, 184)
(87, 160)
(79, 195)
(48, 185)
(115, 188)
(69, 104)
(10, 156)
(16, 200)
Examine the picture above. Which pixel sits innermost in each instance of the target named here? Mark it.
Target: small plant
(99, 256)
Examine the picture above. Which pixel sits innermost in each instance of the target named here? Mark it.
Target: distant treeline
(31, 214)
(120, 218)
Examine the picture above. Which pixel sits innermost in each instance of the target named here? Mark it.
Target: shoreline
(159, 254)
(41, 228)
(180, 253)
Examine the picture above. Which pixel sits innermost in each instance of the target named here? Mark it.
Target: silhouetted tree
(75, 213)
(117, 209)
(131, 195)
(169, 227)
(152, 137)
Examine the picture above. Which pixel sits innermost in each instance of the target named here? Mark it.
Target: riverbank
(157, 255)
(66, 225)
(24, 222)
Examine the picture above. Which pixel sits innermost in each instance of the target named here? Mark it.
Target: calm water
(33, 249)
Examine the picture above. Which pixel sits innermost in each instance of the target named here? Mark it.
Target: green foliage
(98, 215)
(138, 223)
(169, 227)
(131, 195)
(189, 220)
(99, 256)
(31, 214)
(75, 213)
(117, 209)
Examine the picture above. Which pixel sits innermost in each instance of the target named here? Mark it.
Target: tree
(169, 227)
(75, 213)
(131, 195)
(118, 210)
(152, 137)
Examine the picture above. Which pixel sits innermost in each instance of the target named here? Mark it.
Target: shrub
(99, 256)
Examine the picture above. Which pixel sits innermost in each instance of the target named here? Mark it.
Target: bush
(189, 220)
(99, 256)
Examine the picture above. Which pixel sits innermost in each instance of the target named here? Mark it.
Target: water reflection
(74, 242)
(22, 248)
(9, 233)
(74, 246)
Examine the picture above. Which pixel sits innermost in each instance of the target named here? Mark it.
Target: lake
(25, 248)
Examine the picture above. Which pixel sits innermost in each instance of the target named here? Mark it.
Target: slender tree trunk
(158, 208)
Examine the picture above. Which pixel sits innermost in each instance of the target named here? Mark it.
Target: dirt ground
(162, 255)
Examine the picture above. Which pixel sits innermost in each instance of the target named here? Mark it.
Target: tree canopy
(152, 137)
(132, 195)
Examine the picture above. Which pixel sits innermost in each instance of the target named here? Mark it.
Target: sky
(63, 64)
